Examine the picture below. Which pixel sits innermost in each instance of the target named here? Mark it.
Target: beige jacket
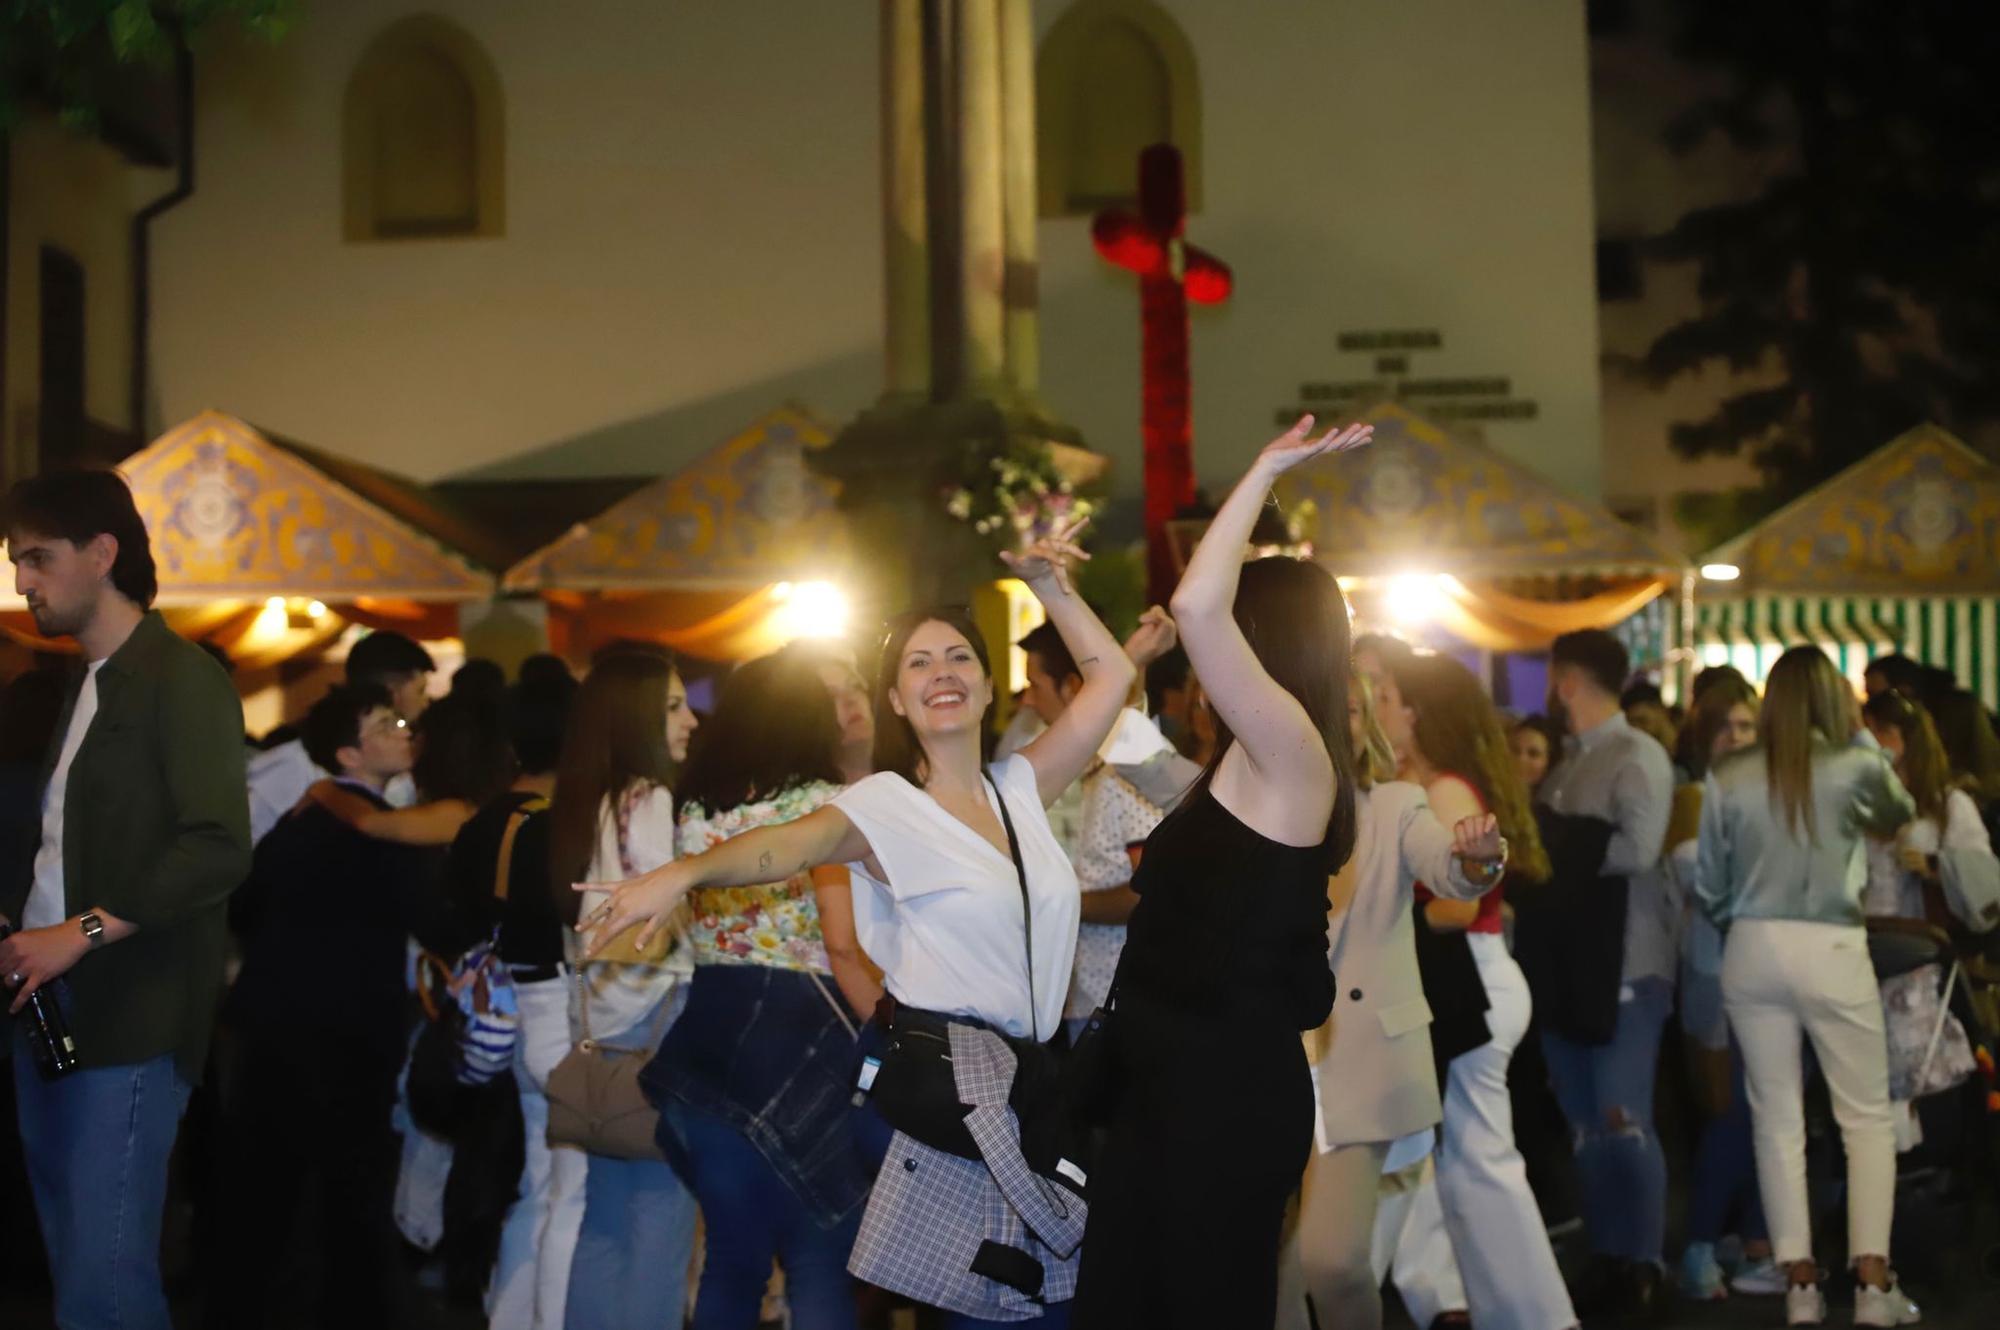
(1373, 1060)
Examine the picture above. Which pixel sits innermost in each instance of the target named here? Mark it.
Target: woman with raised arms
(938, 902)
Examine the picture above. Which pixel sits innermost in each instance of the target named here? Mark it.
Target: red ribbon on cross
(1171, 273)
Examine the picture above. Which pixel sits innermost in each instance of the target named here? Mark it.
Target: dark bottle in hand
(48, 1030)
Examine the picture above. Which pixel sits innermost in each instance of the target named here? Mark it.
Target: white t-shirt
(47, 900)
(946, 925)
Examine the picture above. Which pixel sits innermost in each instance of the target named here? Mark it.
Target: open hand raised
(1298, 444)
(1051, 556)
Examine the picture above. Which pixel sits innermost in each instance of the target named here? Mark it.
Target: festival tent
(270, 550)
(1430, 524)
(723, 560)
(1898, 553)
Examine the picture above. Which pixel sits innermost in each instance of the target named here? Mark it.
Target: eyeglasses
(394, 725)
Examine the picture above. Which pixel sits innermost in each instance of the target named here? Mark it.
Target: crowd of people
(1236, 976)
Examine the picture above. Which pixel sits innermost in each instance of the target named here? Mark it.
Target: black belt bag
(916, 1091)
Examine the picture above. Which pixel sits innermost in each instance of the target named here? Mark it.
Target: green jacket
(156, 830)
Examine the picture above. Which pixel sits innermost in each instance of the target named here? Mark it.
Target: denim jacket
(765, 1050)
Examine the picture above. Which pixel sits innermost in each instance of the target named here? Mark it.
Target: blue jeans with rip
(1606, 1093)
(752, 1217)
(97, 1143)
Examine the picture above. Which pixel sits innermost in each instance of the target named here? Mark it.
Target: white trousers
(1782, 978)
(538, 1239)
(1412, 1246)
(1512, 1281)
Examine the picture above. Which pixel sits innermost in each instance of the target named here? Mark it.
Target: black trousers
(310, 1122)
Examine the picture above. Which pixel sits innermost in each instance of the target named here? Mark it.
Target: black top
(531, 930)
(324, 918)
(1229, 921)
(1569, 935)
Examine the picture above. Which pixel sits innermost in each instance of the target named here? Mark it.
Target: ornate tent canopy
(1509, 561)
(233, 515)
(1900, 552)
(1919, 516)
(240, 523)
(1420, 499)
(703, 560)
(743, 515)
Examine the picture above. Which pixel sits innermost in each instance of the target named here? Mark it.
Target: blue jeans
(97, 1143)
(1606, 1092)
(632, 1255)
(753, 1216)
(1725, 1170)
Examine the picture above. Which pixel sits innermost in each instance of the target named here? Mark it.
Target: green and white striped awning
(1960, 634)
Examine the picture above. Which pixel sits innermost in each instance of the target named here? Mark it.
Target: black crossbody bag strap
(1027, 913)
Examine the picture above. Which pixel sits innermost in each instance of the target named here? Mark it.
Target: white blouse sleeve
(1963, 828)
(649, 837)
(883, 809)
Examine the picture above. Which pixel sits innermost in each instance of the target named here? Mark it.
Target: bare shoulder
(1289, 812)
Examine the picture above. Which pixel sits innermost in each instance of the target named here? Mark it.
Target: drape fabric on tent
(1495, 621)
(714, 625)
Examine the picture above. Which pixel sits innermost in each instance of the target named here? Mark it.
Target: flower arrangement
(1012, 494)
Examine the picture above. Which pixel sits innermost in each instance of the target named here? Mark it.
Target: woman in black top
(1225, 960)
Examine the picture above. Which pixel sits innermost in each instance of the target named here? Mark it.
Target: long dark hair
(463, 751)
(617, 736)
(1925, 770)
(1460, 734)
(896, 746)
(1295, 619)
(774, 727)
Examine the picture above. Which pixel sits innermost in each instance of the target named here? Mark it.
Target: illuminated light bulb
(812, 609)
(1413, 598)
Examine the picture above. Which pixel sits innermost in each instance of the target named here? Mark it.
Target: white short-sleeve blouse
(945, 925)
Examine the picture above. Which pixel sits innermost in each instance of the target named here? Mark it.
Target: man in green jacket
(145, 832)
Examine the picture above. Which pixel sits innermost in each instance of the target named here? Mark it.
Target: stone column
(982, 212)
(1020, 281)
(905, 231)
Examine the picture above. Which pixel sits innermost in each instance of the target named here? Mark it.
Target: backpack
(472, 1017)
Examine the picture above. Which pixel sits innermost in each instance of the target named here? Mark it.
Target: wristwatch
(93, 929)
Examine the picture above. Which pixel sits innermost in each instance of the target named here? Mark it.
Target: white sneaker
(1805, 1305)
(1884, 1306)
(1762, 1279)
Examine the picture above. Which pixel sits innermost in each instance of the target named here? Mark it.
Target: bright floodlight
(812, 609)
(1720, 572)
(1413, 598)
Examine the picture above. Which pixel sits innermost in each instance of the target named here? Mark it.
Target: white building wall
(692, 234)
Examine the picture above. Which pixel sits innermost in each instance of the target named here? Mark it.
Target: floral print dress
(775, 924)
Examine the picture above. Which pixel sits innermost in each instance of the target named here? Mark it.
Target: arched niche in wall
(1113, 77)
(424, 136)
